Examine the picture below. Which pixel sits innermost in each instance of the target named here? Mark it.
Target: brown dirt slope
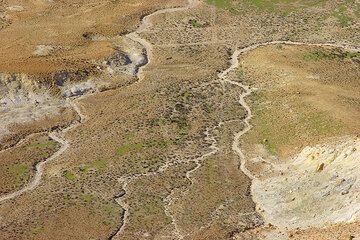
(18, 163)
(144, 164)
(74, 33)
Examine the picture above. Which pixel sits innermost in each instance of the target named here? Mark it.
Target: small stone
(15, 8)
(345, 192)
(320, 167)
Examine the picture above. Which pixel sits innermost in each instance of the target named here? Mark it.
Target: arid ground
(176, 119)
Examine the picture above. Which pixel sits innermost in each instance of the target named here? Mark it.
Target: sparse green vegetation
(21, 171)
(158, 143)
(69, 175)
(208, 108)
(87, 198)
(272, 5)
(276, 129)
(330, 55)
(186, 96)
(268, 145)
(159, 122)
(136, 147)
(289, 118)
(342, 16)
(48, 144)
(150, 212)
(108, 222)
(98, 165)
(197, 24)
(181, 122)
(110, 209)
(37, 229)
(282, 6)
(151, 135)
(357, 11)
(319, 55)
(225, 4)
(126, 148)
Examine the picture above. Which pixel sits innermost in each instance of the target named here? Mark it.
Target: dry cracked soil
(176, 119)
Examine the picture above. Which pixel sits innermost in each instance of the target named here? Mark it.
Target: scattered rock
(121, 193)
(43, 50)
(88, 35)
(345, 192)
(15, 8)
(118, 59)
(61, 77)
(79, 89)
(320, 167)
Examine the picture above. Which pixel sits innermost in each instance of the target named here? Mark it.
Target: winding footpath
(58, 136)
(39, 168)
(146, 25)
(234, 64)
(246, 91)
(224, 78)
(209, 138)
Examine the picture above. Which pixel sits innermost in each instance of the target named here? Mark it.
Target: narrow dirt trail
(145, 25)
(39, 168)
(58, 136)
(148, 48)
(126, 180)
(246, 91)
(170, 199)
(234, 64)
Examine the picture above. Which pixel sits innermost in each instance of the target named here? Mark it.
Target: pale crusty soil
(155, 133)
(18, 131)
(303, 149)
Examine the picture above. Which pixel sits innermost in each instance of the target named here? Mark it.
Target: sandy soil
(164, 158)
(305, 176)
(66, 35)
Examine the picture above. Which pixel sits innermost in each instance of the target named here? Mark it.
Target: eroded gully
(58, 136)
